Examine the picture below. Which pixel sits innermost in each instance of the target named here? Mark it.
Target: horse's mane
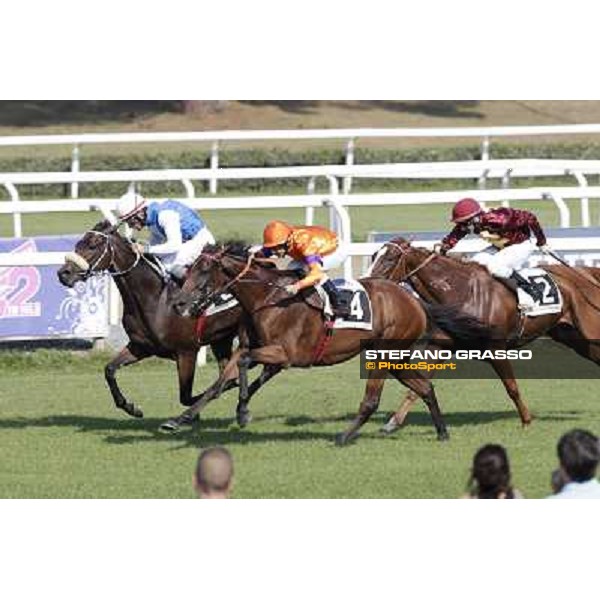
(104, 226)
(467, 265)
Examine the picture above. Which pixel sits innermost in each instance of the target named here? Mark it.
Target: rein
(403, 255)
(108, 247)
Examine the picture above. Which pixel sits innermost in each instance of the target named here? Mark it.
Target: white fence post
(16, 202)
(74, 170)
(585, 202)
(485, 156)
(347, 184)
(189, 188)
(214, 165)
(506, 185)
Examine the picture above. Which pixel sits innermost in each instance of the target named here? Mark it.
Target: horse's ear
(410, 239)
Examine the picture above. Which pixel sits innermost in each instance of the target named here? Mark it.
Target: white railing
(351, 136)
(454, 170)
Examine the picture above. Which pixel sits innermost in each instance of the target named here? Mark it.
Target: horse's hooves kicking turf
(443, 437)
(342, 439)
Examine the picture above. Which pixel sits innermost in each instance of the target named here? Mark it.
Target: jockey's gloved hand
(291, 289)
(545, 248)
(439, 249)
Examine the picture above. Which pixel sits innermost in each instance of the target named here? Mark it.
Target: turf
(62, 438)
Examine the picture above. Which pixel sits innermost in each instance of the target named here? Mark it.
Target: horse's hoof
(443, 437)
(243, 419)
(170, 426)
(390, 427)
(133, 411)
(137, 413)
(343, 439)
(190, 420)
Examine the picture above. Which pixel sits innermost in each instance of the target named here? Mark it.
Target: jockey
(314, 249)
(509, 230)
(177, 233)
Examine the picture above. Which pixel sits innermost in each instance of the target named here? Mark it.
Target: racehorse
(289, 331)
(154, 329)
(447, 281)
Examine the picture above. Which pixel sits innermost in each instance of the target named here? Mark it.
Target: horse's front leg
(127, 356)
(186, 370)
(229, 374)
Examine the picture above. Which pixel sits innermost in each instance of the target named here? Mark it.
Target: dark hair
(579, 454)
(490, 476)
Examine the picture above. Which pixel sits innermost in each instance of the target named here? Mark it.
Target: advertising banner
(33, 303)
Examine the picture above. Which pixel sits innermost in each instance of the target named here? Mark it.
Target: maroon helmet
(465, 209)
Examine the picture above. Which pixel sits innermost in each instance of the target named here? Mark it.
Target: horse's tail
(464, 329)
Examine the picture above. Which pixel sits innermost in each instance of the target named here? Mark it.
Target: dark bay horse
(286, 331)
(448, 281)
(154, 329)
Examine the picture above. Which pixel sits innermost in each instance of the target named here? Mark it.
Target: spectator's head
(579, 454)
(490, 476)
(214, 473)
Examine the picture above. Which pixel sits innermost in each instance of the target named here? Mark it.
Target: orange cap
(276, 233)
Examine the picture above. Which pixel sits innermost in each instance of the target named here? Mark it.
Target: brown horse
(447, 281)
(289, 331)
(154, 329)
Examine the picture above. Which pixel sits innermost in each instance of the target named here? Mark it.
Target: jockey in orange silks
(314, 249)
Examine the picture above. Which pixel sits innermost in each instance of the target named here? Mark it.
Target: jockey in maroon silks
(508, 230)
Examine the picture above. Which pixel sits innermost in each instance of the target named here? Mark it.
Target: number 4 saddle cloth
(551, 300)
(353, 295)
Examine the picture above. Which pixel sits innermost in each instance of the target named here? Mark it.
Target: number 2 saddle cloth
(353, 295)
(551, 299)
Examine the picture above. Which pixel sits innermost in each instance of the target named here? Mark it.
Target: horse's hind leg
(245, 363)
(127, 356)
(397, 419)
(505, 371)
(422, 386)
(367, 407)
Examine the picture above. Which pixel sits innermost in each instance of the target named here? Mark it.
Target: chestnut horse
(289, 331)
(447, 281)
(154, 329)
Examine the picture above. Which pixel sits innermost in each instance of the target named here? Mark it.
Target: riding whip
(563, 262)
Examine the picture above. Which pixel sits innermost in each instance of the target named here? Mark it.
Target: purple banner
(33, 303)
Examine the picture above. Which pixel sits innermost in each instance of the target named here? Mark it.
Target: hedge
(265, 158)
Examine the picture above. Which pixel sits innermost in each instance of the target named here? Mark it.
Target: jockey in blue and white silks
(177, 233)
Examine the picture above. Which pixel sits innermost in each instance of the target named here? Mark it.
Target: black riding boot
(530, 288)
(337, 305)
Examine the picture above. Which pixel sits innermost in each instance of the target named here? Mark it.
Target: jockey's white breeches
(189, 251)
(502, 262)
(331, 261)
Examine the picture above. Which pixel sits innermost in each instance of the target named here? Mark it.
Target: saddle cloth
(551, 301)
(221, 304)
(352, 294)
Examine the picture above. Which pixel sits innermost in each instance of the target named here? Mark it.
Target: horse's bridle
(108, 247)
(200, 305)
(414, 271)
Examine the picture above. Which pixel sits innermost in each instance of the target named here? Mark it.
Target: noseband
(108, 247)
